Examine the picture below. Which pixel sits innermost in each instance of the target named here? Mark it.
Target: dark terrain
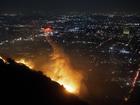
(21, 86)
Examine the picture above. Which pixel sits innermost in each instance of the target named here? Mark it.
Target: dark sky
(71, 4)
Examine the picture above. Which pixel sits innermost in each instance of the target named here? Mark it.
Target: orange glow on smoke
(61, 71)
(26, 62)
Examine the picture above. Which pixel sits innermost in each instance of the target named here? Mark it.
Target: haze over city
(88, 51)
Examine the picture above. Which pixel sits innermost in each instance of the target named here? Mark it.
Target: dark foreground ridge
(21, 86)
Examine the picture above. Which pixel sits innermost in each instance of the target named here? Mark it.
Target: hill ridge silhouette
(19, 85)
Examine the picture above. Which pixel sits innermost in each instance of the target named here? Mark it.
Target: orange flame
(26, 62)
(3, 59)
(61, 71)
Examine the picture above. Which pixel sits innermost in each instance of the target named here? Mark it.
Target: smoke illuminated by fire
(60, 70)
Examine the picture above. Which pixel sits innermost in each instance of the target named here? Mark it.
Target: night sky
(48, 5)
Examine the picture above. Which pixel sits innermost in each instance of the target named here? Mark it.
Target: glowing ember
(26, 62)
